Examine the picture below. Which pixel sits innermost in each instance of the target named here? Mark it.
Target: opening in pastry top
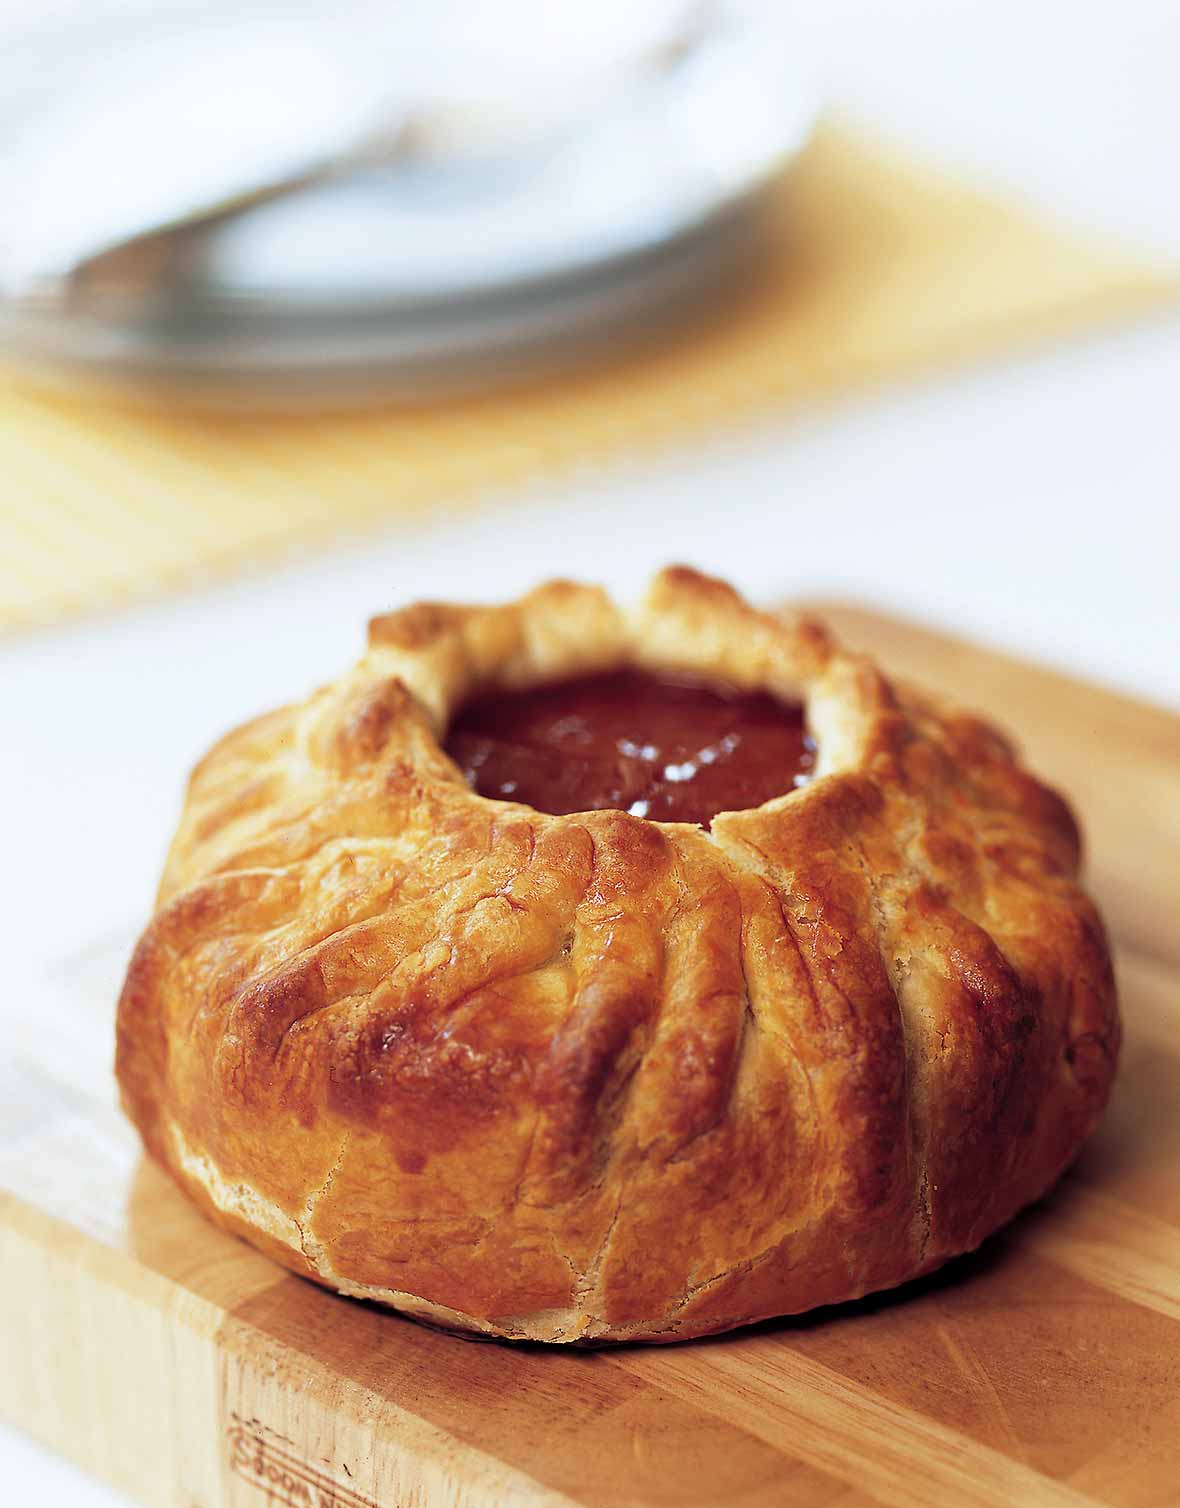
(663, 746)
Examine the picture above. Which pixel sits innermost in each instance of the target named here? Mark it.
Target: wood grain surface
(188, 1370)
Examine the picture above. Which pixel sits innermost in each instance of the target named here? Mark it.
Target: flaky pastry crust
(594, 1077)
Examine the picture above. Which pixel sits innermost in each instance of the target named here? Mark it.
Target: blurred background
(307, 311)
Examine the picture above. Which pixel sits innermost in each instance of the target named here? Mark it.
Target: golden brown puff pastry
(595, 1076)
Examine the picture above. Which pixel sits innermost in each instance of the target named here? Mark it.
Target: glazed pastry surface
(588, 1075)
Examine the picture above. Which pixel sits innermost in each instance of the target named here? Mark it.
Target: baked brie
(572, 974)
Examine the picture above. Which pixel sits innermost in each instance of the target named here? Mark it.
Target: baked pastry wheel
(791, 994)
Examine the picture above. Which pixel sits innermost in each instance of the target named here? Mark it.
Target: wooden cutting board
(188, 1370)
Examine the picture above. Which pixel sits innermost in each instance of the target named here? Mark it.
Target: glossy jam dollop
(659, 746)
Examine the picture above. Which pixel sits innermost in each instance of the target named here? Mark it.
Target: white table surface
(1030, 503)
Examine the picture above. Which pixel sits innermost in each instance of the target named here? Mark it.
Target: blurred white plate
(560, 195)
